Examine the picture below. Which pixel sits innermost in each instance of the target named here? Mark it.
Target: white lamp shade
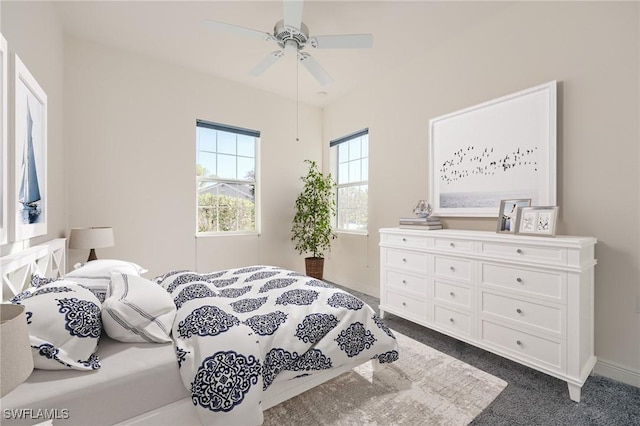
(91, 238)
(16, 360)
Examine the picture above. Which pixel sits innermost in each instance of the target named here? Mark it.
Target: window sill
(350, 232)
(227, 234)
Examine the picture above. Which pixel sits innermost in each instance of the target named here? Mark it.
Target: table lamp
(91, 238)
(16, 360)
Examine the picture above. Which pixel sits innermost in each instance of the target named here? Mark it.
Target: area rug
(423, 387)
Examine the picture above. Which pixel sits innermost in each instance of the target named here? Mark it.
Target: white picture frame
(538, 221)
(4, 153)
(30, 196)
(508, 214)
(501, 149)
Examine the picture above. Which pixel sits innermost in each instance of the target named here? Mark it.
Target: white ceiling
(172, 31)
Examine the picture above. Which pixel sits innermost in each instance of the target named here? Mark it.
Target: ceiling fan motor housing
(286, 35)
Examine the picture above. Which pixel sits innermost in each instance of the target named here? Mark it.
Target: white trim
(364, 232)
(47, 259)
(617, 372)
(4, 152)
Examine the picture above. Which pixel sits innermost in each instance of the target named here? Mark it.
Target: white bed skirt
(183, 412)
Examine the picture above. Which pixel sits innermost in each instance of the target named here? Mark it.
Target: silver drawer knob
(519, 280)
(404, 240)
(452, 268)
(404, 260)
(519, 251)
(404, 303)
(404, 281)
(518, 342)
(451, 294)
(452, 245)
(519, 310)
(451, 320)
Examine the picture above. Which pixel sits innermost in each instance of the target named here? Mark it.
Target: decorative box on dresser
(529, 299)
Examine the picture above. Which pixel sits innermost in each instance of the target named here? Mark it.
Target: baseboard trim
(617, 372)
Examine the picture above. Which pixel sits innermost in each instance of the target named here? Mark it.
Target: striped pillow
(95, 275)
(137, 310)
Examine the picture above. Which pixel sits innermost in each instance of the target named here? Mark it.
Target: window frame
(335, 165)
(256, 182)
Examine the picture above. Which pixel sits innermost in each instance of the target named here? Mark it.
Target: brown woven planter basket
(314, 266)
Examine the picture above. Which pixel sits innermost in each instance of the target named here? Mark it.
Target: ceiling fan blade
(346, 41)
(315, 69)
(268, 60)
(293, 13)
(236, 29)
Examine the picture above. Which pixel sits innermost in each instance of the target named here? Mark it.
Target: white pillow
(95, 275)
(137, 310)
(64, 325)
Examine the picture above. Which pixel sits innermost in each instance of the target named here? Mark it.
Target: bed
(148, 382)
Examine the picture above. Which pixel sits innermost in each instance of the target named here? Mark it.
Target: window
(227, 185)
(350, 161)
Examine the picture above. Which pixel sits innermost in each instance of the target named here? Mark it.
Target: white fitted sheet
(134, 378)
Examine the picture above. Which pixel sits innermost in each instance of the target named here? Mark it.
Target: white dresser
(529, 299)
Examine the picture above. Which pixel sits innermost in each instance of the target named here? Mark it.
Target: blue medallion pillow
(65, 323)
(38, 280)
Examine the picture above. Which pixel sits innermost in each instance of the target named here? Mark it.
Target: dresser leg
(381, 313)
(574, 392)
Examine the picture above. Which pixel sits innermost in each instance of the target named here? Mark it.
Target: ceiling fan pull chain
(297, 102)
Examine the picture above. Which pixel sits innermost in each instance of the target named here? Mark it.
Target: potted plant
(315, 206)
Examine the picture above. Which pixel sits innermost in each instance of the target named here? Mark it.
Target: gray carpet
(531, 397)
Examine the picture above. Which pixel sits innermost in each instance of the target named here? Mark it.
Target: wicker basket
(314, 266)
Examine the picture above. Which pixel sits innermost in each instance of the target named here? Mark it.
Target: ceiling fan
(292, 35)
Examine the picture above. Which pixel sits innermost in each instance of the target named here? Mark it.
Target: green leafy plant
(315, 206)
(224, 213)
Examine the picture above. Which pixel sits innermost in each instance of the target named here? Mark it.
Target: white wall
(592, 50)
(33, 33)
(130, 134)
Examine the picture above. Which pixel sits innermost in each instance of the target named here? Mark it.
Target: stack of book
(426, 223)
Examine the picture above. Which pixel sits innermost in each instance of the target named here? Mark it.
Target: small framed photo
(508, 214)
(539, 221)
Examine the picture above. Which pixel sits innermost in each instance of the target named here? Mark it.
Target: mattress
(134, 378)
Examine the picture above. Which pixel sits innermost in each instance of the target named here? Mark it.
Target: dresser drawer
(406, 282)
(404, 240)
(547, 318)
(523, 345)
(452, 293)
(459, 269)
(525, 281)
(414, 306)
(464, 246)
(530, 253)
(406, 260)
(452, 320)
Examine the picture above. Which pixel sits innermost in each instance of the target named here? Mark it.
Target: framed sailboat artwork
(30, 154)
(4, 173)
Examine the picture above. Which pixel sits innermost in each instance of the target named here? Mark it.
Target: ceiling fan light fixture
(290, 46)
(283, 34)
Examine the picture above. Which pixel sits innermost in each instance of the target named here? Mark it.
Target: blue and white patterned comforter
(239, 331)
